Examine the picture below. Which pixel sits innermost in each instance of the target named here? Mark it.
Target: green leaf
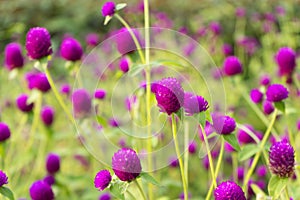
(202, 119)
(117, 191)
(257, 191)
(208, 116)
(231, 139)
(180, 114)
(280, 106)
(276, 185)
(248, 151)
(120, 6)
(101, 120)
(7, 193)
(107, 19)
(148, 178)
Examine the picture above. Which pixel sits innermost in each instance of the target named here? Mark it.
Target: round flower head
(194, 104)
(53, 163)
(126, 164)
(125, 43)
(215, 27)
(243, 136)
(282, 159)
(240, 12)
(40, 190)
(49, 179)
(229, 190)
(105, 196)
(261, 171)
(169, 95)
(13, 57)
(4, 132)
(38, 43)
(22, 103)
(286, 60)
(108, 9)
(124, 65)
(276, 92)
(223, 124)
(240, 173)
(268, 107)
(82, 103)
(92, 39)
(228, 147)
(102, 179)
(113, 122)
(3, 178)
(173, 162)
(256, 95)
(192, 147)
(47, 115)
(265, 80)
(65, 89)
(232, 66)
(71, 49)
(227, 49)
(100, 94)
(38, 81)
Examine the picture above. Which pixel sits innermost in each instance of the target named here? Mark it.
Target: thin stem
(211, 164)
(174, 130)
(186, 153)
(234, 166)
(257, 155)
(140, 189)
(135, 40)
(57, 95)
(287, 193)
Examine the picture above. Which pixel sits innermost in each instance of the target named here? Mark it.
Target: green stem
(140, 189)
(234, 166)
(186, 153)
(287, 193)
(57, 95)
(135, 40)
(211, 164)
(174, 130)
(261, 147)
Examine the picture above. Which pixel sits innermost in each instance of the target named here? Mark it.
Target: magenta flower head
(65, 89)
(102, 179)
(100, 94)
(173, 162)
(47, 115)
(243, 136)
(192, 147)
(276, 92)
(38, 81)
(108, 9)
(215, 27)
(126, 164)
(229, 190)
(52, 163)
(286, 60)
(71, 49)
(105, 196)
(22, 103)
(3, 178)
(223, 125)
(38, 43)
(194, 104)
(265, 80)
(125, 43)
(13, 57)
(240, 12)
(282, 159)
(124, 65)
(261, 171)
(169, 95)
(232, 66)
(227, 49)
(82, 103)
(92, 39)
(49, 179)
(268, 107)
(256, 95)
(4, 132)
(40, 190)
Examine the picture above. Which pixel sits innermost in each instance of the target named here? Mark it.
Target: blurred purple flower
(71, 49)
(13, 57)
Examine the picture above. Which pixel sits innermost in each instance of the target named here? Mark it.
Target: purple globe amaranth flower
(228, 147)
(38, 43)
(49, 179)
(261, 171)
(126, 164)
(102, 179)
(92, 39)
(256, 95)
(169, 95)
(194, 104)
(240, 12)
(124, 65)
(240, 173)
(276, 92)
(232, 66)
(3, 178)
(173, 162)
(192, 147)
(40, 190)
(286, 60)
(71, 49)
(4, 132)
(229, 190)
(100, 94)
(113, 122)
(268, 107)
(82, 103)
(13, 57)
(21, 102)
(47, 115)
(215, 27)
(243, 136)
(38, 81)
(108, 9)
(282, 159)
(223, 125)
(105, 196)
(125, 43)
(53, 163)
(227, 49)
(65, 89)
(265, 80)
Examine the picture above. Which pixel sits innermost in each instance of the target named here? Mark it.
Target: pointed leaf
(280, 106)
(202, 119)
(257, 191)
(180, 114)
(107, 19)
(248, 151)
(117, 191)
(120, 6)
(148, 178)
(231, 139)
(276, 185)
(7, 193)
